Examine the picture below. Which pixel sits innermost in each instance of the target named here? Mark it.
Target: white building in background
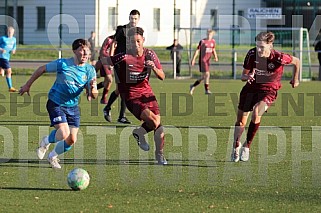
(38, 21)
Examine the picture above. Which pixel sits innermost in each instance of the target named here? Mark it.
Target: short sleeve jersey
(206, 48)
(105, 48)
(133, 75)
(9, 45)
(122, 39)
(70, 81)
(268, 71)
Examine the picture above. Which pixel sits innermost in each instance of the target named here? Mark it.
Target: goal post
(294, 41)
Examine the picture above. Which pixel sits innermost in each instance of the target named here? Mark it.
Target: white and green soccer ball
(78, 179)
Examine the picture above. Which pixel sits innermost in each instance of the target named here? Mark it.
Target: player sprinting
(263, 69)
(120, 44)
(73, 76)
(206, 48)
(133, 74)
(7, 47)
(105, 70)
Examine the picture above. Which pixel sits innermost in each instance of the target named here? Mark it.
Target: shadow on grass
(115, 124)
(37, 163)
(33, 189)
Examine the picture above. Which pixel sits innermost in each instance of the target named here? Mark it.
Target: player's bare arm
(113, 48)
(215, 55)
(247, 76)
(26, 87)
(92, 91)
(194, 57)
(296, 70)
(158, 72)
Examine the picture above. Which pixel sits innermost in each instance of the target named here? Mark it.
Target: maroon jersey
(133, 75)
(206, 48)
(268, 71)
(105, 47)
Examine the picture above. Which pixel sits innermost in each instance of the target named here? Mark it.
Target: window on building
(41, 18)
(156, 24)
(111, 18)
(177, 18)
(213, 20)
(240, 18)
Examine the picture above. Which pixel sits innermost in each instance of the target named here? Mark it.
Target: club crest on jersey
(271, 66)
(84, 77)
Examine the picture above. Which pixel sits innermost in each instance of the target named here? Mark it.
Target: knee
(159, 130)
(109, 79)
(240, 123)
(153, 123)
(71, 139)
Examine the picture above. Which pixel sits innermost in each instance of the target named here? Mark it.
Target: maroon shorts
(204, 66)
(103, 69)
(138, 105)
(249, 97)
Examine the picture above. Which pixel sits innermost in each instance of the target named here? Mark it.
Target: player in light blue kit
(73, 76)
(7, 47)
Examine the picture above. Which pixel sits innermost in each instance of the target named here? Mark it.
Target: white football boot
(140, 140)
(235, 156)
(54, 162)
(245, 154)
(43, 147)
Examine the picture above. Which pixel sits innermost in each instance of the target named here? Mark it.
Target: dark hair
(134, 12)
(267, 37)
(135, 30)
(80, 42)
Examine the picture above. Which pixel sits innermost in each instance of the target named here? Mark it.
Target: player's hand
(92, 92)
(24, 89)
(294, 83)
(251, 78)
(193, 63)
(150, 64)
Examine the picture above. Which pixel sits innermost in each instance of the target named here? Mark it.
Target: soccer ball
(78, 179)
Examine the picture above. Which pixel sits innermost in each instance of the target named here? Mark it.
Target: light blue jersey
(70, 82)
(8, 44)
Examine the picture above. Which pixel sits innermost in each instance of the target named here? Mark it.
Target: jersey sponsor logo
(271, 66)
(57, 119)
(138, 76)
(208, 49)
(263, 72)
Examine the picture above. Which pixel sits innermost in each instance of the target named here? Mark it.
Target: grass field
(283, 174)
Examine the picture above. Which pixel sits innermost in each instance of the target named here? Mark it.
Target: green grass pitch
(283, 174)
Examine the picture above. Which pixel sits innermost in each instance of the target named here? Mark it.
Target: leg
(9, 80)
(151, 122)
(112, 98)
(206, 77)
(107, 84)
(258, 111)
(63, 145)
(196, 83)
(122, 117)
(238, 130)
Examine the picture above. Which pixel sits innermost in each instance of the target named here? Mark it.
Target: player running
(7, 47)
(206, 48)
(263, 69)
(73, 75)
(133, 74)
(120, 44)
(106, 71)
